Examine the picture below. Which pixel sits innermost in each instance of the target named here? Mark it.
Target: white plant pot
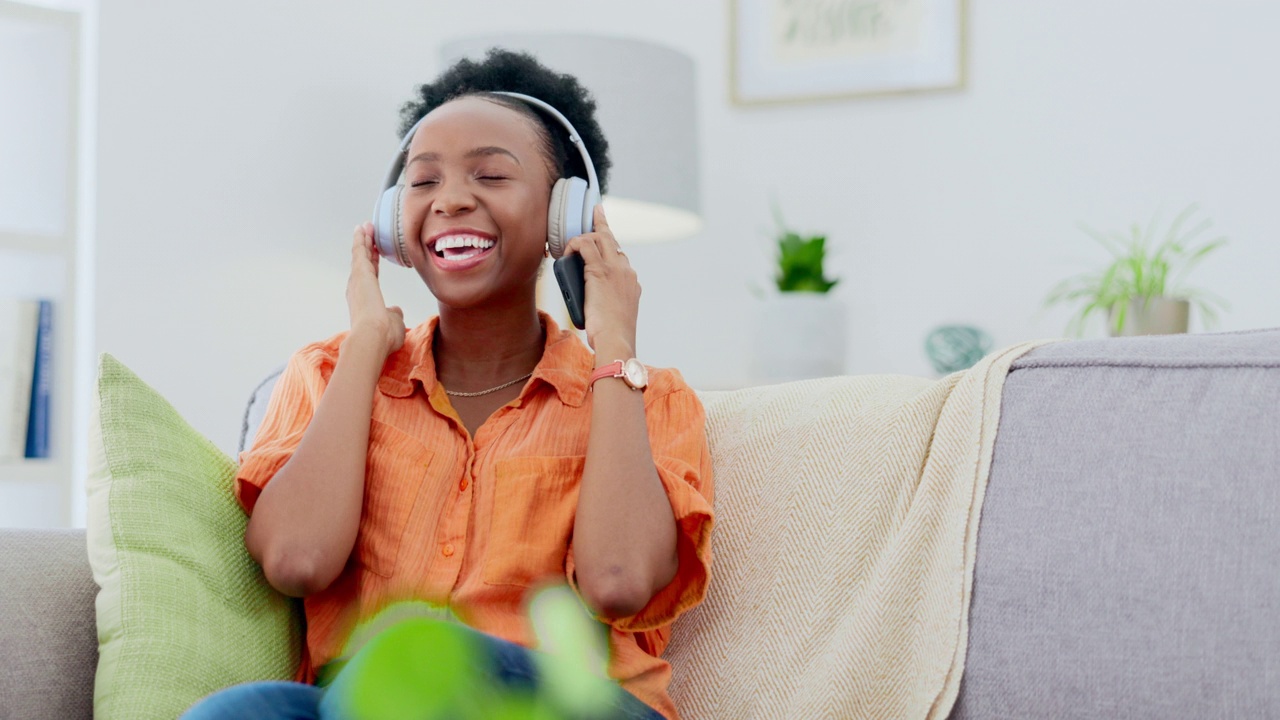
(1156, 316)
(798, 336)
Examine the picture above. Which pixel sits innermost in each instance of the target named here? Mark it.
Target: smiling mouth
(457, 248)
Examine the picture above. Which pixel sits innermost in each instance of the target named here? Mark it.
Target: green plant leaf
(1112, 246)
(1194, 259)
(1172, 237)
(1185, 241)
(1121, 312)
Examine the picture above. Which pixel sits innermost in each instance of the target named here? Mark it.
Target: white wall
(241, 141)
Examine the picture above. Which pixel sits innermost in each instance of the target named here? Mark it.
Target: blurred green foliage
(800, 261)
(1141, 268)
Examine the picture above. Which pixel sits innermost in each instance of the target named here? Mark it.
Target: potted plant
(1142, 291)
(800, 329)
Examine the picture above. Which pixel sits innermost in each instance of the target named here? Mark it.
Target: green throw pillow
(182, 609)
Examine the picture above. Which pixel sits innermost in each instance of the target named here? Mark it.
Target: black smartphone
(570, 273)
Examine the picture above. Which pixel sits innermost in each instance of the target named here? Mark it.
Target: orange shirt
(474, 523)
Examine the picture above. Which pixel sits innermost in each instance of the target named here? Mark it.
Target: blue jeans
(508, 667)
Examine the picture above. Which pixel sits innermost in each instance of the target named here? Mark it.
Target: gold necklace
(478, 393)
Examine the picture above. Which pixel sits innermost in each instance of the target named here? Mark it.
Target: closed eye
(423, 183)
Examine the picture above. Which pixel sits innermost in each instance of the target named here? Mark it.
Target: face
(477, 187)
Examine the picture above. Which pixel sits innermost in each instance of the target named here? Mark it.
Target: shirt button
(464, 484)
(447, 550)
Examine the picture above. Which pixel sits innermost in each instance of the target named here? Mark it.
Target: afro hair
(505, 70)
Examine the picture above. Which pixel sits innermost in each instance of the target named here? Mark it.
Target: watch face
(636, 375)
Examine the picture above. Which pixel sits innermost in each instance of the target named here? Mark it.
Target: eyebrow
(485, 151)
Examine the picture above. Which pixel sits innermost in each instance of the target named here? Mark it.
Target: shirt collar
(565, 365)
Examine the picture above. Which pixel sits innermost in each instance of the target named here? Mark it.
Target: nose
(452, 198)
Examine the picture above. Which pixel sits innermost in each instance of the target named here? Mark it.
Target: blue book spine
(41, 384)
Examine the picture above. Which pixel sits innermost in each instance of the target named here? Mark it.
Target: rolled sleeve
(677, 437)
(292, 405)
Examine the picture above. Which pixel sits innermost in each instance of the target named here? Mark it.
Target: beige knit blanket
(846, 523)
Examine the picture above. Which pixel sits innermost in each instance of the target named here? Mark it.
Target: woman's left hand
(613, 292)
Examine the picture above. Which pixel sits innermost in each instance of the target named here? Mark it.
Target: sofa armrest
(48, 632)
(1127, 554)
(256, 409)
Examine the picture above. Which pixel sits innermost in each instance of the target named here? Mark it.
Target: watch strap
(613, 369)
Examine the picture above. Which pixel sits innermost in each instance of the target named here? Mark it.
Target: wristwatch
(632, 372)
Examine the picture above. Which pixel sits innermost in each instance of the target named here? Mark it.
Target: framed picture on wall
(803, 50)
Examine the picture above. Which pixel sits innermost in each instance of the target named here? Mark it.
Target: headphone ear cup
(388, 235)
(555, 219)
(402, 252)
(564, 217)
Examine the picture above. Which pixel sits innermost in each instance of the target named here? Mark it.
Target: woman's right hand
(371, 319)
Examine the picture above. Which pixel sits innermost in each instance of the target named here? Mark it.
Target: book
(41, 385)
(19, 321)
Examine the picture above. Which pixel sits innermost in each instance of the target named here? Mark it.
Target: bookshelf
(41, 238)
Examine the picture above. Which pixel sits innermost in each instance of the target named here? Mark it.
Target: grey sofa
(1128, 557)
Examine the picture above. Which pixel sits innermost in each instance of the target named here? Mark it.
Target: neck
(478, 349)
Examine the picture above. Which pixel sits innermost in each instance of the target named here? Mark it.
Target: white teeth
(459, 241)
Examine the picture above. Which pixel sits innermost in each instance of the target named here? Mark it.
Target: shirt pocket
(535, 500)
(395, 469)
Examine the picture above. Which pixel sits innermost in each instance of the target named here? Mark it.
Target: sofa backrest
(48, 637)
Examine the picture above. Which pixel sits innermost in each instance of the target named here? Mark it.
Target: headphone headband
(569, 215)
(397, 165)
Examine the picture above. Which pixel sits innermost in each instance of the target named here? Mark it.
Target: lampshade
(645, 103)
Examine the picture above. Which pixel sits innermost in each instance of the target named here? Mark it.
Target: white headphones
(573, 199)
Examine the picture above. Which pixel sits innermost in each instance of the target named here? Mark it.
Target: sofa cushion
(1128, 553)
(47, 636)
(183, 610)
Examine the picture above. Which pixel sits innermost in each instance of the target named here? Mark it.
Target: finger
(588, 247)
(601, 222)
(601, 226)
(613, 246)
(364, 253)
(359, 245)
(372, 249)
(609, 247)
(609, 251)
(364, 236)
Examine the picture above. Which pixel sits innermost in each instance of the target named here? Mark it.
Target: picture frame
(789, 51)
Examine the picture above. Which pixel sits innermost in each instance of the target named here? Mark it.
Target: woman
(482, 454)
